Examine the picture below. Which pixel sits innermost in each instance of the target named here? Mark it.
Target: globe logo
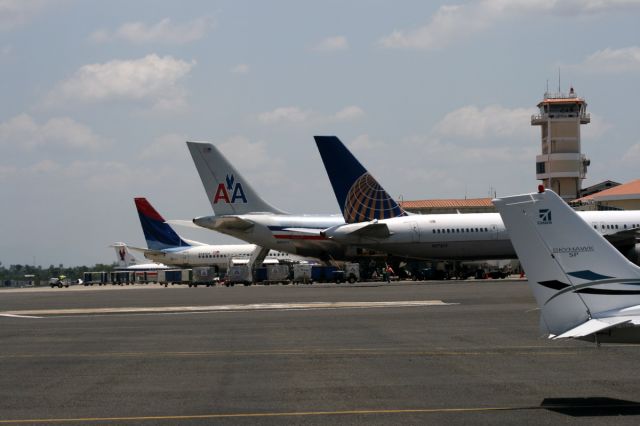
(366, 200)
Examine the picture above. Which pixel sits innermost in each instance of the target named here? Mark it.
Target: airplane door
(415, 232)
(493, 230)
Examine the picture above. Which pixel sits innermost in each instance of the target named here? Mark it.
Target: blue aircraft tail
(360, 196)
(159, 235)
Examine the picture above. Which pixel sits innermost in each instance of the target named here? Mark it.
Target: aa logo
(545, 217)
(230, 191)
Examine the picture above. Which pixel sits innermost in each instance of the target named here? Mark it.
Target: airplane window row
(219, 256)
(603, 227)
(458, 230)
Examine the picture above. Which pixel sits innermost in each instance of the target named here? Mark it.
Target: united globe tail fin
(360, 196)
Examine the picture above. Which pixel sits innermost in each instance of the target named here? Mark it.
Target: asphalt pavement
(400, 353)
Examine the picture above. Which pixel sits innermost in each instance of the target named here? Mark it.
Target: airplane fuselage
(471, 236)
(213, 255)
(465, 236)
(289, 233)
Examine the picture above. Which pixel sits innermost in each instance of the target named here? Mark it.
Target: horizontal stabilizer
(140, 249)
(234, 223)
(373, 230)
(182, 222)
(593, 326)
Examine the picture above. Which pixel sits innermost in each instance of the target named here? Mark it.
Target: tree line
(18, 272)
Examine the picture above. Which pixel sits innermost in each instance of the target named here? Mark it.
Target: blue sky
(99, 97)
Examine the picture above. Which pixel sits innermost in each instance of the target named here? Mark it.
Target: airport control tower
(561, 166)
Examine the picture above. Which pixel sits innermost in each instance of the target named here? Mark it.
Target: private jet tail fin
(159, 234)
(124, 258)
(360, 196)
(577, 277)
(228, 192)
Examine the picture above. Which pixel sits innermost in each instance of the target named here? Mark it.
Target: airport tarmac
(400, 353)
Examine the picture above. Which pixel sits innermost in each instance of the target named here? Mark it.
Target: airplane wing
(595, 325)
(623, 238)
(309, 231)
(373, 229)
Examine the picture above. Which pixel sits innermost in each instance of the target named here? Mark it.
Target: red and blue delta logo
(229, 191)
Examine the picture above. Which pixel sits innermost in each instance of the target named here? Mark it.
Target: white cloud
(596, 128)
(451, 23)
(14, 13)
(284, 114)
(7, 172)
(165, 32)
(472, 122)
(349, 113)
(6, 51)
(297, 115)
(23, 132)
(332, 44)
(152, 78)
(44, 167)
(240, 69)
(166, 146)
(364, 143)
(632, 155)
(612, 61)
(255, 157)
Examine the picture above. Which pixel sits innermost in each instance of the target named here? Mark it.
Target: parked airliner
(127, 261)
(584, 287)
(374, 220)
(242, 213)
(166, 246)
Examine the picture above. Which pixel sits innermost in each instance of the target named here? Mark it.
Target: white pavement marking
(227, 308)
(17, 316)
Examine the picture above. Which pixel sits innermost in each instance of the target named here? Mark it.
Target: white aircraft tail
(228, 192)
(582, 284)
(124, 258)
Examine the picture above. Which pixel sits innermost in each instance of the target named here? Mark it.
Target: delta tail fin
(360, 196)
(159, 234)
(124, 258)
(228, 192)
(581, 283)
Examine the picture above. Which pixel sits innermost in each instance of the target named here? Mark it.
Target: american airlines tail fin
(360, 196)
(582, 284)
(228, 192)
(124, 258)
(159, 234)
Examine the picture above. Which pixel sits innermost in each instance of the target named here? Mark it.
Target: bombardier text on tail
(584, 287)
